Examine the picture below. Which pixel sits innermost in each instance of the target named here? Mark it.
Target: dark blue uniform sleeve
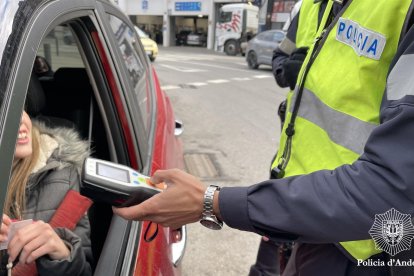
(340, 205)
(282, 52)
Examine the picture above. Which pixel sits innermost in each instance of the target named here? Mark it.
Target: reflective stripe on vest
(307, 24)
(343, 92)
(316, 112)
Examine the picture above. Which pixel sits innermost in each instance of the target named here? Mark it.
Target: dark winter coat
(46, 189)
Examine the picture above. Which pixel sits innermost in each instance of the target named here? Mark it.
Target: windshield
(141, 33)
(225, 17)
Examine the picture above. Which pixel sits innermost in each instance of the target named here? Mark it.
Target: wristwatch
(208, 219)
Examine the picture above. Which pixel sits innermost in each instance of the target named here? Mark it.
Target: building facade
(164, 19)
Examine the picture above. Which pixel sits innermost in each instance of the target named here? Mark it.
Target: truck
(236, 23)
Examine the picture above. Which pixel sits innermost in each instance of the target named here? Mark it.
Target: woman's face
(24, 140)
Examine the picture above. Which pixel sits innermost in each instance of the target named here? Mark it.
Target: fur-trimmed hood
(70, 151)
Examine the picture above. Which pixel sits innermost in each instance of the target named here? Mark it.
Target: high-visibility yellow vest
(342, 94)
(307, 23)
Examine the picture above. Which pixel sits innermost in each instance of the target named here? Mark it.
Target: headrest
(35, 100)
(73, 77)
(73, 86)
(42, 67)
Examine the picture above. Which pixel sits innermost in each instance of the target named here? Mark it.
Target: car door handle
(179, 127)
(178, 245)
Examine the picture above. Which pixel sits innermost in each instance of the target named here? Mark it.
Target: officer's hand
(179, 204)
(292, 66)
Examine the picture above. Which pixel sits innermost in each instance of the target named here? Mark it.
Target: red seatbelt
(72, 208)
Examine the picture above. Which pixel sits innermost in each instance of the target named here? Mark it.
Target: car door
(259, 46)
(31, 19)
(269, 45)
(119, 132)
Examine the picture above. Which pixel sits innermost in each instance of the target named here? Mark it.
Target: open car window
(73, 90)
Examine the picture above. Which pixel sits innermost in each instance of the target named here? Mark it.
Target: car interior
(46, 106)
(62, 92)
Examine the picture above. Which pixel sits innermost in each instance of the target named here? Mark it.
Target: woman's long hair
(22, 168)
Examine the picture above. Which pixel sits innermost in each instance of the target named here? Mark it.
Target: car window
(78, 71)
(129, 47)
(225, 17)
(60, 50)
(278, 36)
(261, 36)
(267, 36)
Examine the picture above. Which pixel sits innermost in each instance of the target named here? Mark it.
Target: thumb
(137, 212)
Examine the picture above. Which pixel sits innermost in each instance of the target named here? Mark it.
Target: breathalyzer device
(118, 185)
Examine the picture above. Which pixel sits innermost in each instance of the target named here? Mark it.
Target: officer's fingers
(160, 176)
(168, 176)
(129, 213)
(137, 212)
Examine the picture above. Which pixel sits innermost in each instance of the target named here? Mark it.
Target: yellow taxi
(150, 45)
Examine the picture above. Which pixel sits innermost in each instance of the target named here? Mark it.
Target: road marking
(217, 66)
(170, 87)
(217, 81)
(183, 69)
(262, 76)
(197, 83)
(178, 57)
(241, 79)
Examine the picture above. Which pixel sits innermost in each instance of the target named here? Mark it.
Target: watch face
(211, 223)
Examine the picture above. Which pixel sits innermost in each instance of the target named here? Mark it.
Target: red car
(102, 84)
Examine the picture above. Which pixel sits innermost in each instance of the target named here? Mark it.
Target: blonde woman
(45, 173)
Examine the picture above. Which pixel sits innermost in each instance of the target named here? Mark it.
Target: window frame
(146, 142)
(42, 21)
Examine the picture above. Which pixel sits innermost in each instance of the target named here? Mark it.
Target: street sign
(187, 6)
(145, 4)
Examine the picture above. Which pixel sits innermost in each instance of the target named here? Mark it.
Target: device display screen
(113, 172)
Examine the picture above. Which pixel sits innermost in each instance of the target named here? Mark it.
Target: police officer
(346, 151)
(288, 57)
(287, 60)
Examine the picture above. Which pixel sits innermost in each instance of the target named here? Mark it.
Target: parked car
(103, 85)
(150, 46)
(259, 49)
(181, 37)
(197, 39)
